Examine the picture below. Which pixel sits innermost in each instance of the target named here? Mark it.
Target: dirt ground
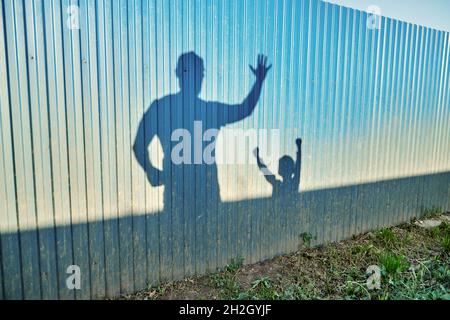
(414, 263)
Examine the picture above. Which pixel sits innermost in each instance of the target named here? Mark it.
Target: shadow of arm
(241, 111)
(145, 133)
(298, 163)
(270, 177)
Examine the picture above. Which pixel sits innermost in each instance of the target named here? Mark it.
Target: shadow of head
(286, 167)
(190, 73)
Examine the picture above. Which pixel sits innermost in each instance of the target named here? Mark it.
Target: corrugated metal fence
(76, 78)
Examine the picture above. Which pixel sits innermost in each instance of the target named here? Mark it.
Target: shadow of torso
(183, 122)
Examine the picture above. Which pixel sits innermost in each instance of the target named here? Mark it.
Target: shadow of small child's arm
(298, 163)
(270, 177)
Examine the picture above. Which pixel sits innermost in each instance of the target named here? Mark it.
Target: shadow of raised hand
(262, 69)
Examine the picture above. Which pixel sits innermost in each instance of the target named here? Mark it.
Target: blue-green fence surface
(370, 102)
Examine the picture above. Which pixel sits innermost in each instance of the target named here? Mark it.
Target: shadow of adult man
(185, 125)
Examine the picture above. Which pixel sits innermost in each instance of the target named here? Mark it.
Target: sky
(430, 13)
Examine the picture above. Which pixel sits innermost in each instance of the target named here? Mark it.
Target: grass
(414, 263)
(387, 237)
(306, 239)
(392, 263)
(226, 282)
(234, 265)
(431, 212)
(445, 242)
(442, 235)
(228, 287)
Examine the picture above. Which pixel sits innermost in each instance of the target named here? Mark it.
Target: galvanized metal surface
(371, 105)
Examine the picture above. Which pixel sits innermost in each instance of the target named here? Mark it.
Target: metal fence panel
(77, 78)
